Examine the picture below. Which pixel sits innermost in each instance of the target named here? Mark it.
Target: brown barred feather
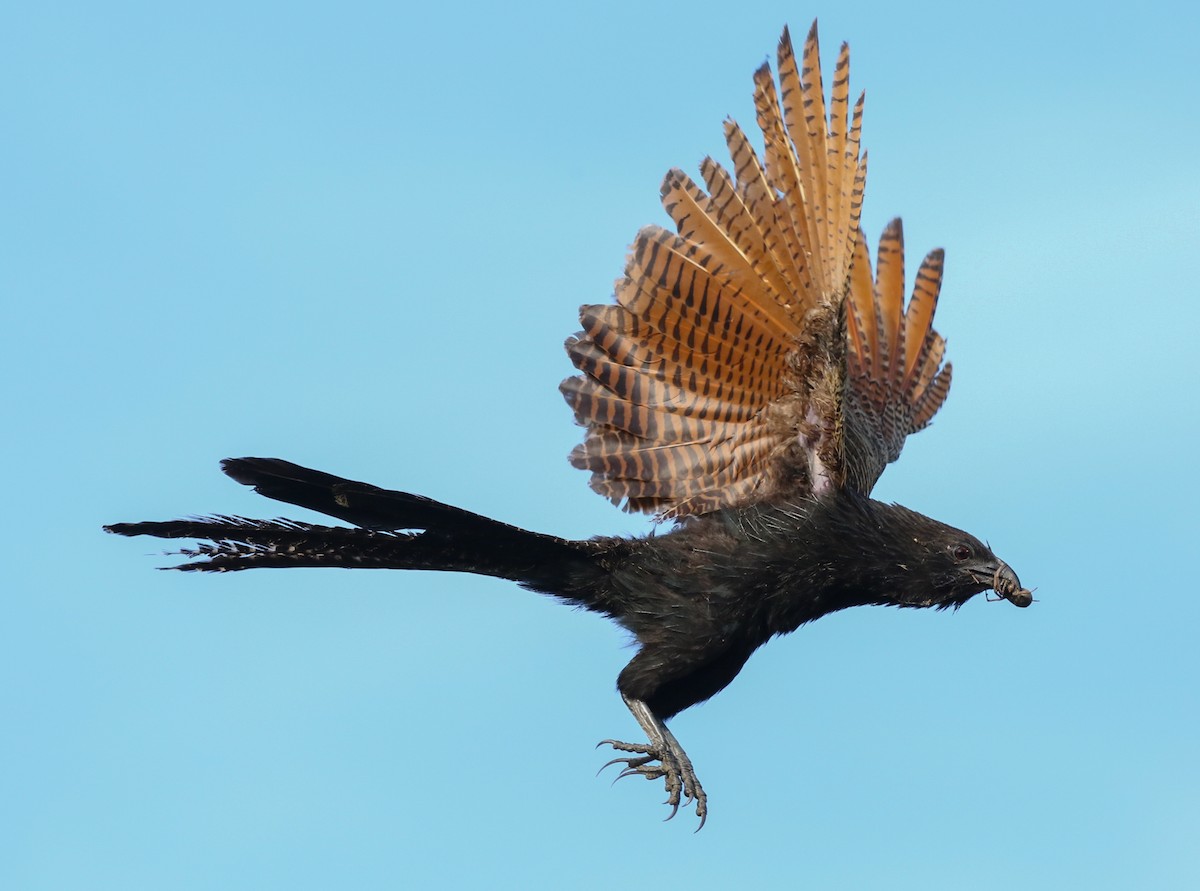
(895, 378)
(889, 300)
(759, 196)
(751, 352)
(861, 325)
(734, 218)
(796, 233)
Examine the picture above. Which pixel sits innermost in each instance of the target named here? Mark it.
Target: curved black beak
(1007, 585)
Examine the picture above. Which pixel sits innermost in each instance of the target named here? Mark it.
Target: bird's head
(948, 566)
(970, 567)
(962, 566)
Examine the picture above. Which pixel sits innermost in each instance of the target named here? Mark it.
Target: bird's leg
(662, 757)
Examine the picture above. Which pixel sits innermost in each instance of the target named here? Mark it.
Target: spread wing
(751, 352)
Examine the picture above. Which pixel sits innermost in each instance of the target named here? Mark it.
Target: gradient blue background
(355, 236)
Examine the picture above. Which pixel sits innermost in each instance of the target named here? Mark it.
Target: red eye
(962, 552)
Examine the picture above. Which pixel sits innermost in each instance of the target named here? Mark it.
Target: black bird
(750, 383)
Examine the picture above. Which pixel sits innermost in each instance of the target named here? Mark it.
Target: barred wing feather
(895, 379)
(751, 352)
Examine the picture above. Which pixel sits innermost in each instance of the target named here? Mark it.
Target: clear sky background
(355, 235)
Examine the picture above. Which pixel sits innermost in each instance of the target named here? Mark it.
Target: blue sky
(355, 236)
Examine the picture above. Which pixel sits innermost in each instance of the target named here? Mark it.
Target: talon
(614, 761)
(662, 758)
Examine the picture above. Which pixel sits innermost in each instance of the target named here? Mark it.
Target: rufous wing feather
(719, 376)
(895, 379)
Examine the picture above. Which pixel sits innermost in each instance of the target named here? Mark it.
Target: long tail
(397, 530)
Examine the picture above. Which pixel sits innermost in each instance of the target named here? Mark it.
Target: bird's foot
(666, 762)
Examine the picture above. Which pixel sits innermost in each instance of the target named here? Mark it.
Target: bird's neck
(823, 555)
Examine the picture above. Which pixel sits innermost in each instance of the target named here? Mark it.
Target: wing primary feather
(795, 241)
(889, 298)
(863, 328)
(918, 318)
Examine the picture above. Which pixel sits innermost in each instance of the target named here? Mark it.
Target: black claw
(611, 763)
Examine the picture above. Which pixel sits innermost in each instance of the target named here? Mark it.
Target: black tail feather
(359, 503)
(217, 526)
(397, 530)
(233, 543)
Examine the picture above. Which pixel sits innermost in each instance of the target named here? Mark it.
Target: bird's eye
(962, 552)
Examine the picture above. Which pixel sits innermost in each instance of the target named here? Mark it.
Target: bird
(747, 385)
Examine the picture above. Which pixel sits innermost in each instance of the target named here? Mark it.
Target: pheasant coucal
(750, 382)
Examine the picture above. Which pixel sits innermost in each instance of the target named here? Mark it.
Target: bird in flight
(750, 383)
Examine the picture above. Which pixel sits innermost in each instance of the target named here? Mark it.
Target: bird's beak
(1007, 585)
